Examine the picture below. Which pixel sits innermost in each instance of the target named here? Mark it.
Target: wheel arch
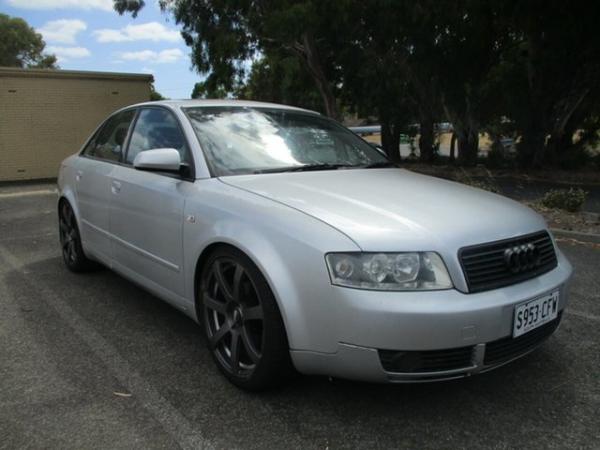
(201, 261)
(69, 196)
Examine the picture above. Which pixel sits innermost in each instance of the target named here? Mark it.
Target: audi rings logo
(522, 258)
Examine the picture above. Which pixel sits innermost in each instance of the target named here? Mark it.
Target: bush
(568, 199)
(485, 184)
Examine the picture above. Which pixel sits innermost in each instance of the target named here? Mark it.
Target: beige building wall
(46, 115)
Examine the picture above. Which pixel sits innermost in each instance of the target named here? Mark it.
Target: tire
(70, 241)
(244, 329)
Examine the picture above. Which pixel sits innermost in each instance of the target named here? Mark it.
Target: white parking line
(173, 422)
(28, 193)
(29, 237)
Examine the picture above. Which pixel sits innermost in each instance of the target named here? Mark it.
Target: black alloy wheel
(242, 322)
(70, 240)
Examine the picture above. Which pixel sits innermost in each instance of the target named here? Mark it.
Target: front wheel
(70, 240)
(245, 332)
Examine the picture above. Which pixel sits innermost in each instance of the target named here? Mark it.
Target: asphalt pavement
(93, 361)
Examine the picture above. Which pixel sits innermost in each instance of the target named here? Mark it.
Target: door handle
(115, 187)
(78, 175)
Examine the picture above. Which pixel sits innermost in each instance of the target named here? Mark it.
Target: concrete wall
(46, 115)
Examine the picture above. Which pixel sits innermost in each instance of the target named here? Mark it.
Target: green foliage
(206, 89)
(132, 6)
(155, 95)
(21, 46)
(524, 70)
(570, 199)
(280, 78)
(548, 76)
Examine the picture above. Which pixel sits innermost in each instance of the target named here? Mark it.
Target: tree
(550, 74)
(470, 42)
(224, 35)
(21, 46)
(209, 90)
(374, 67)
(532, 67)
(154, 94)
(280, 78)
(423, 70)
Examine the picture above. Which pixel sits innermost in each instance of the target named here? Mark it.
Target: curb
(590, 237)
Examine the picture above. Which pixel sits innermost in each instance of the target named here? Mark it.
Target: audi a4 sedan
(299, 247)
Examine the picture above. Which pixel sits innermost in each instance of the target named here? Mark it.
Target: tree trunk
(309, 55)
(560, 142)
(561, 136)
(426, 140)
(531, 150)
(390, 140)
(453, 147)
(468, 145)
(532, 147)
(466, 132)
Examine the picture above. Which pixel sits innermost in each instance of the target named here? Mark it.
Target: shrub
(568, 199)
(485, 184)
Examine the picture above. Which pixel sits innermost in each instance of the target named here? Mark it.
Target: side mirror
(165, 159)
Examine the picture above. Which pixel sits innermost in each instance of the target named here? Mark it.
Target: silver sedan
(299, 247)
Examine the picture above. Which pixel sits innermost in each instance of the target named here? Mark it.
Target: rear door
(146, 214)
(93, 175)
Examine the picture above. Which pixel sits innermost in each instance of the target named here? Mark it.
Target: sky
(90, 35)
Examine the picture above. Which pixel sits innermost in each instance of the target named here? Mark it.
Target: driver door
(146, 213)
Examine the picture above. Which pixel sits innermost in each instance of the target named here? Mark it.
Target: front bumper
(465, 329)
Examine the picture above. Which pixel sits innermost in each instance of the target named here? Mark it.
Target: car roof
(222, 102)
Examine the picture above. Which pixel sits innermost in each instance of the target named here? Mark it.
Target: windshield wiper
(304, 168)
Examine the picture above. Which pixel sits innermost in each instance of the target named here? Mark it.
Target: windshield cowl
(314, 167)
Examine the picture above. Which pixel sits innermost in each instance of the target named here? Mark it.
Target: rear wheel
(70, 240)
(243, 325)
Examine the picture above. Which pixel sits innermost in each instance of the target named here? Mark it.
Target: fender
(66, 191)
(278, 239)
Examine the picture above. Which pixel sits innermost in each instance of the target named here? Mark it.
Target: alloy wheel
(68, 234)
(234, 317)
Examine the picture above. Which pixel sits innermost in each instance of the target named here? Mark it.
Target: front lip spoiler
(477, 367)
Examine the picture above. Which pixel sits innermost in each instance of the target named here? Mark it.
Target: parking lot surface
(93, 361)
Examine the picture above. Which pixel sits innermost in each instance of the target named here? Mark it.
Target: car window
(89, 147)
(242, 140)
(156, 128)
(108, 142)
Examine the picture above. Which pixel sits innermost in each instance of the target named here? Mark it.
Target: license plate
(534, 313)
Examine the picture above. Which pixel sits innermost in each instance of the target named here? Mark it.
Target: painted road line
(28, 193)
(179, 427)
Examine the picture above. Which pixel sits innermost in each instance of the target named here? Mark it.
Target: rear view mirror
(165, 159)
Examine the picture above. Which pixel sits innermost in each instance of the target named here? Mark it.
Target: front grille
(426, 361)
(508, 348)
(485, 268)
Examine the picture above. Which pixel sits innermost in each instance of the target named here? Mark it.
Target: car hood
(395, 209)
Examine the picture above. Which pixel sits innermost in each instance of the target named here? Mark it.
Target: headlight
(415, 271)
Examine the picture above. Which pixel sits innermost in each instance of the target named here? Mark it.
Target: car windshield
(243, 140)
